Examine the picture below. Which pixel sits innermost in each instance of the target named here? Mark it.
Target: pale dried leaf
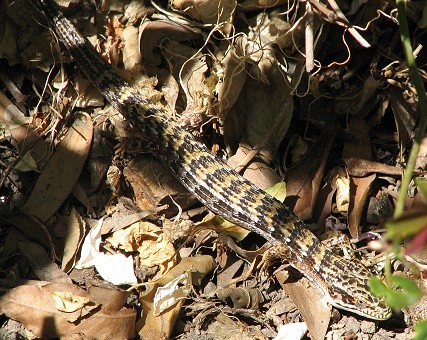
(278, 191)
(209, 11)
(343, 194)
(27, 163)
(88, 94)
(160, 327)
(169, 294)
(230, 75)
(74, 237)
(257, 170)
(149, 241)
(291, 331)
(154, 33)
(222, 225)
(116, 268)
(68, 302)
(193, 82)
(359, 190)
(131, 52)
(90, 247)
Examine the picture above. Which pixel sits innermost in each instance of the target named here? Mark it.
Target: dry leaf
(358, 167)
(154, 33)
(131, 52)
(148, 240)
(10, 116)
(248, 298)
(73, 239)
(26, 163)
(160, 327)
(87, 94)
(14, 124)
(230, 75)
(342, 194)
(314, 309)
(114, 268)
(169, 294)
(35, 308)
(253, 5)
(291, 331)
(304, 179)
(62, 171)
(41, 263)
(405, 115)
(154, 185)
(359, 146)
(213, 12)
(359, 191)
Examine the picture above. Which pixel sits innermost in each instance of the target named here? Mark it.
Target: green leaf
(405, 293)
(230, 228)
(377, 287)
(278, 191)
(420, 330)
(407, 225)
(422, 183)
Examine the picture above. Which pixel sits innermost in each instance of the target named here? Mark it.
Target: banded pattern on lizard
(342, 281)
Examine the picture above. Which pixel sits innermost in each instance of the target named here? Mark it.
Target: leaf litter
(249, 78)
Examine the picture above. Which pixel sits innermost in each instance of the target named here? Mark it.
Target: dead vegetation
(314, 95)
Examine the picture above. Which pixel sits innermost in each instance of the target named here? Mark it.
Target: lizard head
(350, 291)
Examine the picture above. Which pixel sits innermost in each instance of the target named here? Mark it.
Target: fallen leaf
(169, 294)
(358, 167)
(359, 146)
(154, 185)
(304, 179)
(62, 170)
(359, 191)
(73, 240)
(405, 115)
(241, 297)
(215, 12)
(148, 240)
(25, 138)
(342, 194)
(35, 308)
(314, 309)
(26, 163)
(41, 263)
(115, 268)
(131, 51)
(291, 331)
(160, 327)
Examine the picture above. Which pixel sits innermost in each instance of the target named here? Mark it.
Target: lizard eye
(360, 303)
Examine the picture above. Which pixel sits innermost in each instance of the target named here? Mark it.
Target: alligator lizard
(342, 281)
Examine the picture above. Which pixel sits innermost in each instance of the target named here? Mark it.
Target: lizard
(342, 281)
